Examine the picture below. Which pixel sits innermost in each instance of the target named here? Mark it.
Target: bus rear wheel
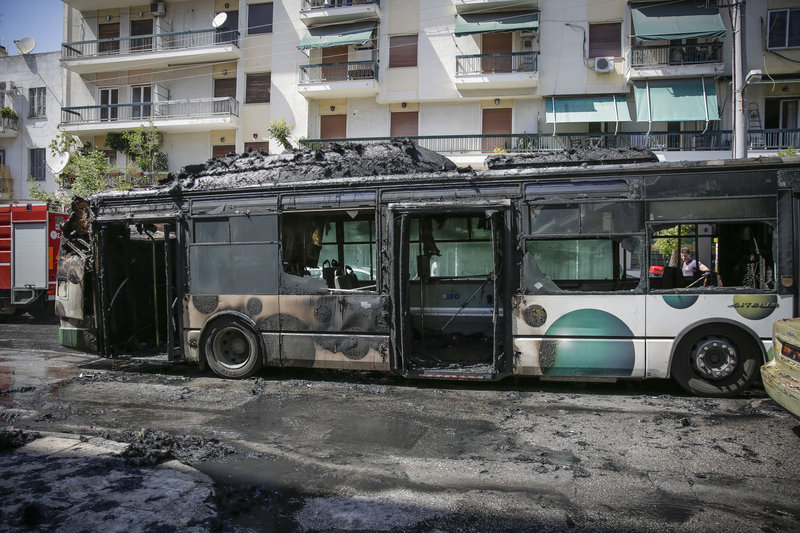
(232, 349)
(718, 362)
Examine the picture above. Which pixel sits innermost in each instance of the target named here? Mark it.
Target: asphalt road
(304, 450)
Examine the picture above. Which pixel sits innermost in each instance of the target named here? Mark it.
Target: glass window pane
(259, 19)
(734, 208)
(776, 32)
(555, 219)
(463, 259)
(357, 230)
(211, 230)
(255, 228)
(481, 229)
(359, 258)
(234, 269)
(794, 28)
(574, 259)
(612, 217)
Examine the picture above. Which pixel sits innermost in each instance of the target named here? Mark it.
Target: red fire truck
(29, 239)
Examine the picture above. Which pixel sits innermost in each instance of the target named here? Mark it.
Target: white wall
(30, 71)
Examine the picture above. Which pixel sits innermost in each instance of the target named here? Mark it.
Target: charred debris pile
(572, 157)
(348, 160)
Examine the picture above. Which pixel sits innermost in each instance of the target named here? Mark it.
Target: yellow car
(781, 375)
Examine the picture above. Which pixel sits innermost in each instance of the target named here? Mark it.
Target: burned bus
(389, 258)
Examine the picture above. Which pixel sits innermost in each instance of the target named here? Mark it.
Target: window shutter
(222, 149)
(257, 89)
(333, 126)
(225, 87)
(405, 124)
(605, 40)
(403, 51)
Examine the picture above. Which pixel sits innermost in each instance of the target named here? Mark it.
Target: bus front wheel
(232, 349)
(716, 362)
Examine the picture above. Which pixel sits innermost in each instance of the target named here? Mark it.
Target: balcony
(687, 141)
(676, 60)
(333, 11)
(328, 80)
(150, 51)
(196, 114)
(9, 127)
(469, 6)
(497, 71)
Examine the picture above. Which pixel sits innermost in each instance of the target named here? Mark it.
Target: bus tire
(717, 362)
(232, 349)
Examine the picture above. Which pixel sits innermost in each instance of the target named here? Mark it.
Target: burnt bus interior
(137, 286)
(452, 270)
(336, 248)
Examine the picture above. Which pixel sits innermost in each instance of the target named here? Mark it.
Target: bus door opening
(450, 289)
(137, 282)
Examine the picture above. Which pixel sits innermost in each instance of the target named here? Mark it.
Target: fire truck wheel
(232, 349)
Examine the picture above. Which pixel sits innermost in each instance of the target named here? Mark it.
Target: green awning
(689, 19)
(587, 109)
(496, 22)
(676, 100)
(337, 35)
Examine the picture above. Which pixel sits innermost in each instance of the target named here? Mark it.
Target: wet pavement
(306, 450)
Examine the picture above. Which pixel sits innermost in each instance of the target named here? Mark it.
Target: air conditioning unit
(8, 87)
(527, 34)
(603, 64)
(157, 9)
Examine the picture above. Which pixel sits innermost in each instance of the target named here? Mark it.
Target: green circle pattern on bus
(680, 301)
(755, 306)
(590, 356)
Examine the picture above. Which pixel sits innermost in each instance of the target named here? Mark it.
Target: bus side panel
(672, 314)
(335, 331)
(261, 309)
(351, 351)
(601, 338)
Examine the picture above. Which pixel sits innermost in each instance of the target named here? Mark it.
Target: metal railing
(308, 5)
(694, 54)
(692, 141)
(189, 108)
(149, 43)
(497, 63)
(352, 70)
(9, 123)
(119, 180)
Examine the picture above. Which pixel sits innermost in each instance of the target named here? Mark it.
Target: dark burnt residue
(254, 307)
(354, 348)
(572, 157)
(322, 313)
(348, 160)
(205, 304)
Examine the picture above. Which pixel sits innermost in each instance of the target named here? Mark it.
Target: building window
(36, 157)
(255, 146)
(404, 124)
(403, 51)
(37, 97)
(783, 28)
(225, 88)
(605, 40)
(257, 88)
(259, 19)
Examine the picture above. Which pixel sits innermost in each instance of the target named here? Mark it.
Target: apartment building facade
(30, 107)
(463, 77)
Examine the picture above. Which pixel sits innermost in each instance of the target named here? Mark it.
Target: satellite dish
(219, 20)
(58, 162)
(25, 45)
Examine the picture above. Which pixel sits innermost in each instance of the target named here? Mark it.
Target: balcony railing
(308, 5)
(352, 70)
(190, 108)
(497, 63)
(546, 142)
(694, 54)
(149, 43)
(9, 124)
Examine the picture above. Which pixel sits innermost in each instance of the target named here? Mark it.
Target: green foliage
(117, 141)
(87, 169)
(58, 202)
(788, 152)
(281, 132)
(7, 112)
(665, 246)
(144, 146)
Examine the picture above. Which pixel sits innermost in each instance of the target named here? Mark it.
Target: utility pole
(739, 127)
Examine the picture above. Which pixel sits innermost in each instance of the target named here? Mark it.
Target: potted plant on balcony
(7, 112)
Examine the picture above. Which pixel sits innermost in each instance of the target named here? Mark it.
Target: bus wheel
(719, 362)
(232, 349)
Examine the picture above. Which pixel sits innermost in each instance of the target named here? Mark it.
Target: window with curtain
(37, 100)
(37, 163)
